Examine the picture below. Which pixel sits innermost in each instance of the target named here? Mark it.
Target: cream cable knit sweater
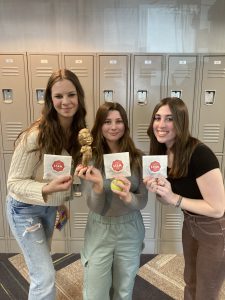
(25, 179)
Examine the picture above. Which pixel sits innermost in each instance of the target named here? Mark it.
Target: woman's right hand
(58, 184)
(91, 174)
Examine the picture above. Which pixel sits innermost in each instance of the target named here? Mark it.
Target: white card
(55, 165)
(117, 164)
(154, 165)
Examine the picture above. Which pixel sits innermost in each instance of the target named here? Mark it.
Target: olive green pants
(111, 255)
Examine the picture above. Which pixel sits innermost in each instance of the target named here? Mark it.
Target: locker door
(83, 67)
(40, 68)
(212, 111)
(181, 79)
(14, 98)
(147, 80)
(113, 79)
(149, 214)
(78, 219)
(171, 230)
(180, 83)
(3, 234)
(13, 246)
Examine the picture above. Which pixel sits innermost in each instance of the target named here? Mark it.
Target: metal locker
(171, 230)
(40, 68)
(78, 219)
(181, 79)
(212, 109)
(149, 214)
(146, 92)
(113, 79)
(3, 234)
(84, 67)
(12, 244)
(14, 98)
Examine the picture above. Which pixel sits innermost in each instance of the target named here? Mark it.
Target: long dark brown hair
(126, 144)
(184, 144)
(51, 136)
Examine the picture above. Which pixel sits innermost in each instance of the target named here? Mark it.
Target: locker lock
(142, 97)
(7, 95)
(108, 95)
(40, 93)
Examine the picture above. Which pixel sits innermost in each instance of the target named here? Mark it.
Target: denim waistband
(201, 218)
(115, 220)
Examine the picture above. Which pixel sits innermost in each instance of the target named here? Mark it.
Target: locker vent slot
(80, 220)
(173, 222)
(182, 73)
(147, 219)
(12, 130)
(142, 133)
(80, 72)
(211, 133)
(10, 71)
(113, 73)
(44, 71)
(216, 73)
(146, 73)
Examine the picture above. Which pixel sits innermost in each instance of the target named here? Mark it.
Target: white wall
(112, 26)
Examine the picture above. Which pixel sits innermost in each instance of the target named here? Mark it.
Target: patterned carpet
(160, 277)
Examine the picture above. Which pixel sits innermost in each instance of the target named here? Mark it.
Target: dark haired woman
(195, 184)
(115, 231)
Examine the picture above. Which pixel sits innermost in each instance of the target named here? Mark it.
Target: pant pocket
(83, 259)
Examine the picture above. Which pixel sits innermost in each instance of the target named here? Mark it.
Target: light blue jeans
(32, 226)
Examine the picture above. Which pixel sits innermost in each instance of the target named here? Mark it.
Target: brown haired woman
(31, 203)
(195, 184)
(115, 231)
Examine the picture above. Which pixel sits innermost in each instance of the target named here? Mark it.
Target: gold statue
(85, 139)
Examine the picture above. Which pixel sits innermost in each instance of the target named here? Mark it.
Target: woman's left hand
(124, 184)
(162, 187)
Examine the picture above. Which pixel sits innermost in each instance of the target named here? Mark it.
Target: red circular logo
(58, 165)
(155, 166)
(117, 165)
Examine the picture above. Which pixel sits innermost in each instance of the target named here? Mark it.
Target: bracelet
(179, 201)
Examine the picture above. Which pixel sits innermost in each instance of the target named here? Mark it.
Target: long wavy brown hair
(126, 144)
(184, 144)
(51, 136)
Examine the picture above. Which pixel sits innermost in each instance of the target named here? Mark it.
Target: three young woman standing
(115, 230)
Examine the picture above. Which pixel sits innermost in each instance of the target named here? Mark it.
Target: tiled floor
(14, 286)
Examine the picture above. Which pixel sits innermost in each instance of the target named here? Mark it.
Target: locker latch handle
(108, 95)
(210, 97)
(7, 95)
(176, 93)
(40, 93)
(142, 97)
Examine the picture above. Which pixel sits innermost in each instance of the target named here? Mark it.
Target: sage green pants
(111, 255)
